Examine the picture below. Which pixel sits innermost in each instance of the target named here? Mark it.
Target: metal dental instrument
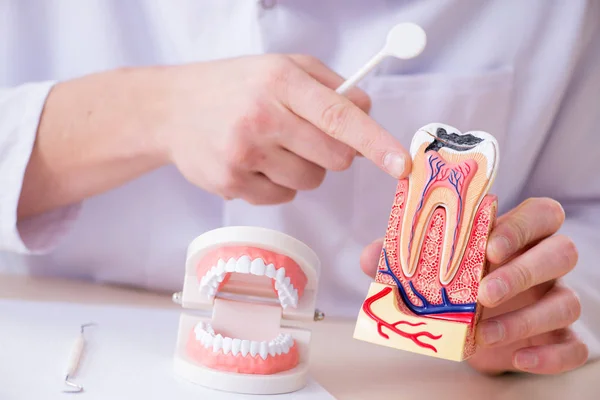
(404, 41)
(74, 360)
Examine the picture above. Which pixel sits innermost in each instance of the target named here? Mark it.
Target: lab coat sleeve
(569, 171)
(20, 111)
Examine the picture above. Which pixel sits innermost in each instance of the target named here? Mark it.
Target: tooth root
(245, 347)
(236, 345)
(230, 266)
(217, 343)
(280, 275)
(254, 348)
(270, 271)
(257, 267)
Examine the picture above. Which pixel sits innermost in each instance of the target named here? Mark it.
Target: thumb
(369, 259)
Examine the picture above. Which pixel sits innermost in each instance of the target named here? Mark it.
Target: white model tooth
(263, 350)
(245, 347)
(230, 266)
(208, 328)
(212, 290)
(208, 341)
(272, 350)
(285, 347)
(220, 270)
(217, 343)
(243, 265)
(236, 344)
(280, 275)
(278, 348)
(227, 345)
(287, 280)
(254, 348)
(284, 302)
(203, 280)
(199, 328)
(270, 271)
(257, 267)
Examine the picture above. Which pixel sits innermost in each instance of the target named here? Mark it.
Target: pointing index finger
(338, 117)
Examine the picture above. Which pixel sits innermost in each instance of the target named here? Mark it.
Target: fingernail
(500, 247)
(526, 360)
(495, 290)
(394, 164)
(492, 332)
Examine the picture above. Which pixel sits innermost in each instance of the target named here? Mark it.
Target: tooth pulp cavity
(206, 336)
(209, 283)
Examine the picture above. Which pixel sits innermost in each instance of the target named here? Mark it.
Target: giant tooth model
(424, 298)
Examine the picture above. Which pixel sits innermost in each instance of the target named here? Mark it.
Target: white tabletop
(347, 368)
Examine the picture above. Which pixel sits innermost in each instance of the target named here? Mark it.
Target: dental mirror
(404, 41)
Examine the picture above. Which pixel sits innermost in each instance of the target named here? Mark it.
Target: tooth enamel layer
(206, 336)
(210, 282)
(453, 172)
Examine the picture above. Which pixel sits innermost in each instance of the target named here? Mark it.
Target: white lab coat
(526, 71)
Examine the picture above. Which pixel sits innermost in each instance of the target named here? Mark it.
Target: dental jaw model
(260, 287)
(424, 298)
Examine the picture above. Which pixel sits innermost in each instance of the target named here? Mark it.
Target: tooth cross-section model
(258, 287)
(424, 298)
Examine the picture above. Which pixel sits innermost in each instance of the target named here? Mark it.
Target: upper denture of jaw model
(260, 287)
(424, 298)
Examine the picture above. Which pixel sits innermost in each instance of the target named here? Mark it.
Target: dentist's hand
(262, 128)
(527, 315)
(258, 128)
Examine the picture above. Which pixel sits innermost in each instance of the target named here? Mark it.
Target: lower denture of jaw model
(248, 345)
